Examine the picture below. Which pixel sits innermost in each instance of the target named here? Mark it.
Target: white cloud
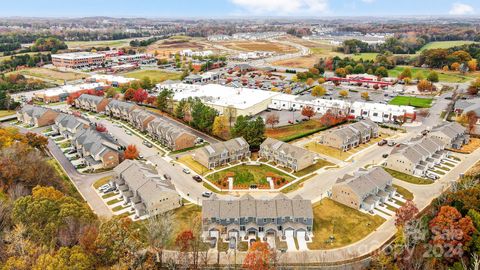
(368, 1)
(282, 7)
(461, 9)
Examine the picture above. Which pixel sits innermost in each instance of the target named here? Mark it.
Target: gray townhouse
(36, 116)
(349, 136)
(287, 155)
(417, 156)
(221, 153)
(139, 118)
(91, 103)
(172, 136)
(148, 192)
(98, 149)
(119, 109)
(68, 125)
(366, 189)
(452, 134)
(248, 217)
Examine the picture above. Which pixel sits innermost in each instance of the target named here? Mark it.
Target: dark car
(385, 155)
(382, 142)
(166, 176)
(197, 178)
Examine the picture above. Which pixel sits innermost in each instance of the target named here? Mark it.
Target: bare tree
(159, 230)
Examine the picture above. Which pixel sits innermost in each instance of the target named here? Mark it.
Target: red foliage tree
(140, 95)
(101, 128)
(308, 112)
(72, 97)
(184, 240)
(131, 152)
(330, 119)
(472, 121)
(129, 94)
(151, 100)
(259, 257)
(272, 119)
(405, 213)
(452, 231)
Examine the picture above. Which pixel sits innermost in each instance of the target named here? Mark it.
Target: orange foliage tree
(330, 119)
(131, 152)
(450, 230)
(259, 257)
(129, 94)
(308, 111)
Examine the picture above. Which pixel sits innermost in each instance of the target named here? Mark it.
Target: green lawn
(364, 56)
(119, 208)
(407, 195)
(449, 76)
(102, 181)
(4, 113)
(248, 174)
(318, 165)
(346, 224)
(99, 43)
(445, 44)
(412, 101)
(109, 195)
(114, 201)
(155, 75)
(408, 178)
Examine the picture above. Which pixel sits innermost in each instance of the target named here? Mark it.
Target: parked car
(432, 176)
(147, 144)
(385, 155)
(187, 171)
(128, 132)
(104, 187)
(140, 156)
(425, 132)
(391, 143)
(197, 178)
(382, 142)
(166, 176)
(207, 194)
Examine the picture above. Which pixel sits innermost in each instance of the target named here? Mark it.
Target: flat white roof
(112, 78)
(70, 89)
(77, 55)
(219, 95)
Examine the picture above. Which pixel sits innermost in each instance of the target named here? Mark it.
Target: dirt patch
(259, 46)
(300, 62)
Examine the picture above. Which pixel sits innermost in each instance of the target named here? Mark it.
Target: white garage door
(289, 233)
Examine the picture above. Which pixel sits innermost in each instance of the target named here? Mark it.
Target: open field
(449, 76)
(287, 133)
(299, 62)
(188, 161)
(339, 154)
(248, 174)
(412, 101)
(445, 44)
(3, 58)
(182, 220)
(346, 224)
(408, 178)
(156, 76)
(258, 46)
(4, 113)
(175, 44)
(99, 43)
(364, 56)
(52, 74)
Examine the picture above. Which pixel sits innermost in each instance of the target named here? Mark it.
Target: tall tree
(318, 91)
(406, 213)
(272, 119)
(131, 152)
(308, 111)
(164, 99)
(259, 257)
(220, 126)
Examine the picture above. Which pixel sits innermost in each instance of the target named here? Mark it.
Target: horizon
(217, 9)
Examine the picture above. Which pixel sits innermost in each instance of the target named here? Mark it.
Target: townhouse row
(170, 134)
(350, 136)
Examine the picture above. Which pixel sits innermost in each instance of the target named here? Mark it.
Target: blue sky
(227, 8)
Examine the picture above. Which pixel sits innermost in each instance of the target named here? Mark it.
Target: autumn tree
(118, 242)
(36, 140)
(455, 66)
(308, 111)
(131, 152)
(424, 86)
(432, 76)
(406, 213)
(129, 94)
(321, 80)
(341, 72)
(365, 95)
(309, 81)
(472, 119)
(259, 257)
(272, 119)
(151, 100)
(159, 230)
(406, 73)
(220, 126)
(343, 93)
(65, 258)
(474, 86)
(330, 119)
(318, 91)
(472, 65)
(140, 95)
(451, 230)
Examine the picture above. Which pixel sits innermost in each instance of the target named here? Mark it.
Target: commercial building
(61, 93)
(418, 156)
(229, 101)
(246, 218)
(148, 192)
(78, 60)
(349, 136)
(111, 80)
(287, 155)
(364, 190)
(221, 153)
(36, 116)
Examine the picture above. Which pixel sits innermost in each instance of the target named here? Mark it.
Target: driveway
(290, 240)
(302, 243)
